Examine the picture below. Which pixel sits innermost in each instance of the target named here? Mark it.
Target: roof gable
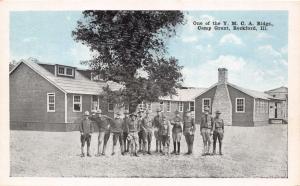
(278, 90)
(252, 93)
(187, 94)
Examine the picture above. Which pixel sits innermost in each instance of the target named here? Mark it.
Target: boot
(149, 148)
(156, 146)
(82, 153)
(220, 148)
(160, 147)
(204, 151)
(178, 148)
(214, 147)
(88, 151)
(113, 150)
(174, 145)
(191, 148)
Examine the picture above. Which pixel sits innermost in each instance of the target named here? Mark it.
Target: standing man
(103, 123)
(176, 132)
(86, 129)
(140, 133)
(147, 132)
(218, 132)
(206, 130)
(133, 129)
(189, 129)
(156, 124)
(117, 130)
(125, 131)
(165, 131)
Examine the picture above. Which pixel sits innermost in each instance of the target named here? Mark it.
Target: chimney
(222, 76)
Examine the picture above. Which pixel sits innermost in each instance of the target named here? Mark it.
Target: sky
(256, 60)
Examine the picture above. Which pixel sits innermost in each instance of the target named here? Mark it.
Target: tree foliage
(129, 47)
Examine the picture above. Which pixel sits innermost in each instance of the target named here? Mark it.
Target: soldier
(117, 130)
(140, 133)
(86, 129)
(133, 128)
(103, 124)
(189, 128)
(156, 124)
(206, 125)
(165, 131)
(218, 132)
(176, 132)
(125, 131)
(147, 132)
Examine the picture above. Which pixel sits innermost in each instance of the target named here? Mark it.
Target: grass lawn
(248, 152)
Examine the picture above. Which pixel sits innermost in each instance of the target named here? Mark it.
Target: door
(276, 110)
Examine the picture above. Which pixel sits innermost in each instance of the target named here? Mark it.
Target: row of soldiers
(135, 131)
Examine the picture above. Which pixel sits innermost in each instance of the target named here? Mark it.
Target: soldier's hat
(176, 112)
(132, 114)
(206, 108)
(98, 111)
(86, 113)
(163, 116)
(118, 113)
(218, 112)
(126, 112)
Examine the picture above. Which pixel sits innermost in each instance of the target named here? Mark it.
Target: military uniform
(117, 130)
(165, 132)
(140, 132)
(218, 132)
(189, 128)
(86, 129)
(176, 133)
(125, 133)
(133, 128)
(146, 133)
(206, 127)
(157, 120)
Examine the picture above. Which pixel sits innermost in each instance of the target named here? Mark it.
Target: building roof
(78, 85)
(252, 93)
(187, 94)
(278, 90)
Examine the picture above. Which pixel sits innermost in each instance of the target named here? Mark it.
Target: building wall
(28, 101)
(245, 118)
(261, 112)
(198, 103)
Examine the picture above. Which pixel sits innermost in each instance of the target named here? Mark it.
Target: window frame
(236, 104)
(98, 106)
(162, 105)
(206, 99)
(109, 110)
(80, 103)
(48, 103)
(180, 105)
(190, 106)
(65, 71)
(149, 106)
(168, 109)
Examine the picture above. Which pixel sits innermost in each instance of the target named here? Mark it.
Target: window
(180, 106)
(192, 106)
(95, 103)
(206, 103)
(65, 71)
(111, 107)
(240, 105)
(161, 105)
(149, 106)
(70, 71)
(77, 103)
(50, 102)
(126, 107)
(61, 70)
(168, 106)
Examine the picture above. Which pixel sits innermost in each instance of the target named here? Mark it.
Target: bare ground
(248, 152)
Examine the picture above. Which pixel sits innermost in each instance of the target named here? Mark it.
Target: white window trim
(97, 102)
(203, 99)
(108, 107)
(243, 105)
(48, 95)
(77, 103)
(180, 103)
(190, 105)
(149, 109)
(167, 106)
(162, 106)
(65, 71)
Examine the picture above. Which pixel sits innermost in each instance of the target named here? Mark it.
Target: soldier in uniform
(176, 132)
(86, 129)
(206, 130)
(140, 133)
(146, 127)
(133, 128)
(165, 131)
(156, 125)
(218, 132)
(125, 131)
(189, 128)
(117, 130)
(103, 124)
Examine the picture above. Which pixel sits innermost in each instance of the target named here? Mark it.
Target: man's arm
(80, 127)
(193, 124)
(223, 125)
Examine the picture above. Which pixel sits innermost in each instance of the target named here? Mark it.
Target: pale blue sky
(255, 59)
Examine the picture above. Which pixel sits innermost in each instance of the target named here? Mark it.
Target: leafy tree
(129, 47)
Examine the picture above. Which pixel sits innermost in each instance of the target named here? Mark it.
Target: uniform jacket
(102, 123)
(218, 123)
(86, 126)
(177, 124)
(146, 124)
(133, 126)
(117, 125)
(165, 128)
(157, 121)
(206, 121)
(189, 125)
(126, 123)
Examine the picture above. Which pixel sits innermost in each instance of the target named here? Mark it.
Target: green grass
(248, 152)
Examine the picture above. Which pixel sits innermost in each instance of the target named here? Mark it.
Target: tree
(129, 48)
